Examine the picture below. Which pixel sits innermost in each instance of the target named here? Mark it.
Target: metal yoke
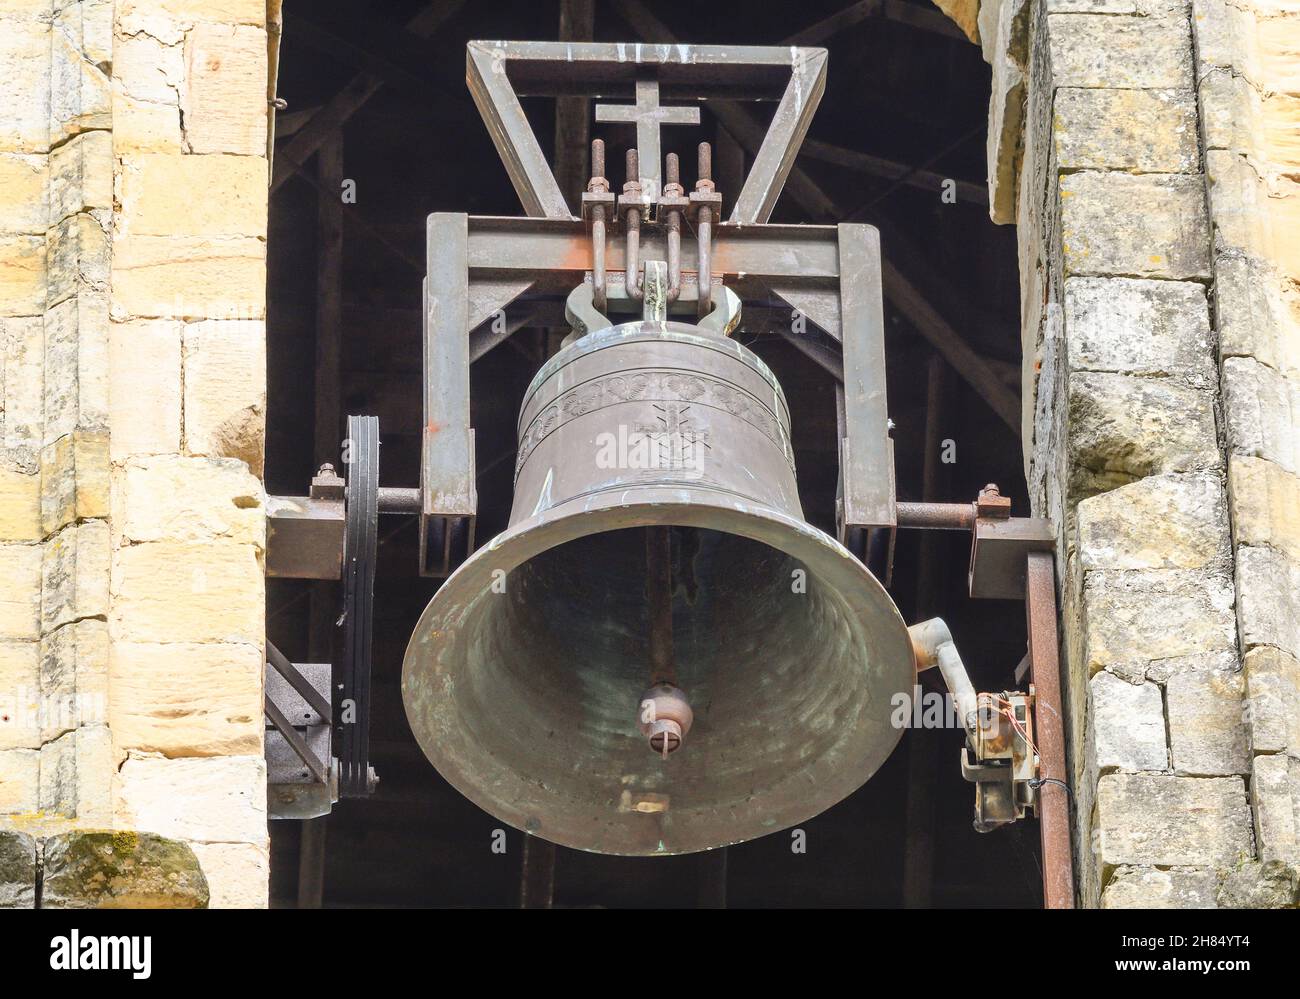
(479, 267)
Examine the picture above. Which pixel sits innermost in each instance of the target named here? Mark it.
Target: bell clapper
(665, 713)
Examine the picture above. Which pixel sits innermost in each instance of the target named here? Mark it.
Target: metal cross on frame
(478, 266)
(648, 114)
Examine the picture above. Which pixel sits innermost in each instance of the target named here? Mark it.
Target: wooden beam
(922, 745)
(904, 295)
(900, 11)
(573, 114)
(348, 101)
(311, 863)
(968, 192)
(537, 874)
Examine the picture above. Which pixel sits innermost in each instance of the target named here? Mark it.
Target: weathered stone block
(74, 677)
(1165, 821)
(1265, 502)
(20, 591)
(1268, 599)
(1149, 888)
(1273, 700)
(1123, 427)
(1275, 798)
(22, 276)
(20, 777)
(145, 387)
(190, 277)
(1256, 314)
(183, 592)
(1128, 724)
(1252, 885)
(20, 505)
(186, 195)
(96, 766)
(80, 51)
(74, 480)
(225, 390)
(1253, 215)
(23, 342)
(213, 800)
(224, 94)
(121, 870)
(58, 778)
(174, 498)
(1144, 225)
(238, 874)
(81, 176)
(1140, 327)
(17, 870)
(147, 70)
(1101, 50)
(1207, 736)
(1260, 406)
(168, 18)
(1160, 522)
(185, 699)
(1143, 131)
(20, 695)
(76, 367)
(145, 127)
(76, 258)
(25, 86)
(1144, 617)
(24, 181)
(74, 574)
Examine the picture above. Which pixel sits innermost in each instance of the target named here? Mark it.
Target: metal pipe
(598, 185)
(1053, 789)
(396, 499)
(932, 645)
(632, 262)
(704, 231)
(936, 516)
(673, 189)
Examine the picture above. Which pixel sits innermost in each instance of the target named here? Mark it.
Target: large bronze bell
(657, 560)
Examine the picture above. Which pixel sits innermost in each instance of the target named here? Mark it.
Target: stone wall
(1146, 151)
(133, 157)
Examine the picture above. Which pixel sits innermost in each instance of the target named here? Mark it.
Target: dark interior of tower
(376, 104)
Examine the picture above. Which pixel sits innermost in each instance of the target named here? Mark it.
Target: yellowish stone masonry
(133, 161)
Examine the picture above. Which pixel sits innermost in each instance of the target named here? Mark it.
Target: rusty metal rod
(704, 231)
(659, 594)
(598, 185)
(937, 516)
(631, 191)
(396, 499)
(673, 188)
(1053, 792)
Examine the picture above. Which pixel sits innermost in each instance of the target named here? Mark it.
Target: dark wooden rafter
(311, 134)
(920, 16)
(901, 291)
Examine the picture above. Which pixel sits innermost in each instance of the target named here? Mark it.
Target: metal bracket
(301, 775)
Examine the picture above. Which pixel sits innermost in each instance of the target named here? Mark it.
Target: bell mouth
(522, 679)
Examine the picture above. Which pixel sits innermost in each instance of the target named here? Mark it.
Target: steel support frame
(480, 265)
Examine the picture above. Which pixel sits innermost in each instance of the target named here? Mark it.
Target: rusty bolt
(991, 503)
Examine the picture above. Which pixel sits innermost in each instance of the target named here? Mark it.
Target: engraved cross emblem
(677, 444)
(648, 114)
